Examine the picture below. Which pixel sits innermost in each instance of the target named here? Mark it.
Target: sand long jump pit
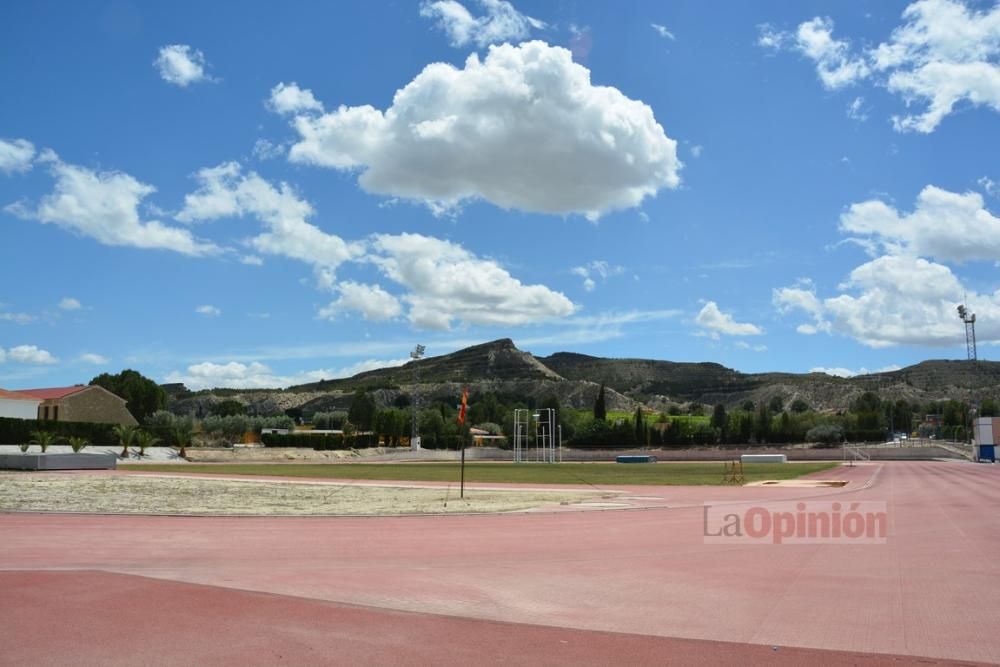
(166, 494)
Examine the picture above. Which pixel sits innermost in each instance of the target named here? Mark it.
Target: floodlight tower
(416, 355)
(970, 331)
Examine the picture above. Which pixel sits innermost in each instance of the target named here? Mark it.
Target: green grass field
(666, 474)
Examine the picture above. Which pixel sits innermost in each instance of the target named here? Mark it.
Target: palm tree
(183, 431)
(126, 436)
(77, 443)
(144, 439)
(43, 439)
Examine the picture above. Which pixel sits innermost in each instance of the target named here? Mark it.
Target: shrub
(826, 434)
(17, 431)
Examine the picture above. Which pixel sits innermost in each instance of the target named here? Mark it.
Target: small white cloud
(696, 150)
(181, 65)
(256, 375)
(17, 318)
(597, 268)
(848, 373)
(266, 150)
(16, 155)
(856, 110)
(288, 98)
(501, 22)
(207, 310)
(29, 354)
(989, 186)
(96, 359)
(662, 31)
(373, 302)
(69, 303)
(743, 345)
(251, 260)
(715, 322)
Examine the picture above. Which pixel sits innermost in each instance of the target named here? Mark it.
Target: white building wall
(19, 409)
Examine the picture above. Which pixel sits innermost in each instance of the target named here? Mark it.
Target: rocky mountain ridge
(500, 367)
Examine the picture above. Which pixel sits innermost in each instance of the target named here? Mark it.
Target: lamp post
(416, 355)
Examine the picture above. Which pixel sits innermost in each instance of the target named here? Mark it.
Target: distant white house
(18, 406)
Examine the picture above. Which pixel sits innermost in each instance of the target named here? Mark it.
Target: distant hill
(500, 367)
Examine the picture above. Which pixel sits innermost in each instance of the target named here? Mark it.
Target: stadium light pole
(970, 331)
(416, 355)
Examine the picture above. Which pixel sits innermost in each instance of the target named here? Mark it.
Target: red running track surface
(323, 589)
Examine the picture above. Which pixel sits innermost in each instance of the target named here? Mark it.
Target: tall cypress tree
(600, 411)
(640, 427)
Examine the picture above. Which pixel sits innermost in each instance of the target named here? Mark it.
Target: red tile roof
(16, 396)
(53, 392)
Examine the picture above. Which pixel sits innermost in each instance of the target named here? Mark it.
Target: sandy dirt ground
(150, 494)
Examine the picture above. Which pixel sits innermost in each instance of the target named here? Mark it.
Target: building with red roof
(79, 403)
(18, 405)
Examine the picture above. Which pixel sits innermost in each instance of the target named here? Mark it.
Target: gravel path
(141, 494)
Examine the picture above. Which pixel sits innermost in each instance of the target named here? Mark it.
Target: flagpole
(461, 438)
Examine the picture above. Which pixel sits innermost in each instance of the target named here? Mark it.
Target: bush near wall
(18, 431)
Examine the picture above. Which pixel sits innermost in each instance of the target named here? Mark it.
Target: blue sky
(259, 195)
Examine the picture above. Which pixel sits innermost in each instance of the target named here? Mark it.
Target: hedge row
(18, 431)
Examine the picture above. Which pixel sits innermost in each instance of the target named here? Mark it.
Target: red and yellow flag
(465, 404)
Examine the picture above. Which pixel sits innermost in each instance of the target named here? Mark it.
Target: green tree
(77, 443)
(640, 427)
(182, 433)
(142, 396)
(776, 404)
(600, 408)
(674, 410)
(799, 406)
(762, 425)
(720, 420)
(696, 409)
(748, 406)
(228, 408)
(145, 440)
(44, 439)
(126, 437)
(362, 411)
(989, 408)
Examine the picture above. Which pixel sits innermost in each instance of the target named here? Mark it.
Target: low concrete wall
(58, 461)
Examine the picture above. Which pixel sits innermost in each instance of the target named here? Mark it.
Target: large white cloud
(944, 225)
(944, 53)
(900, 300)
(500, 23)
(105, 207)
(446, 283)
(181, 65)
(16, 155)
(525, 128)
(716, 322)
(226, 191)
(373, 302)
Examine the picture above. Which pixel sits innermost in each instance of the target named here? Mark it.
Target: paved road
(930, 591)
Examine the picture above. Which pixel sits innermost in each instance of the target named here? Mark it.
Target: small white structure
(764, 458)
(986, 431)
(18, 406)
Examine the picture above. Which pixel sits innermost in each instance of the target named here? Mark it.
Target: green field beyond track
(663, 474)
